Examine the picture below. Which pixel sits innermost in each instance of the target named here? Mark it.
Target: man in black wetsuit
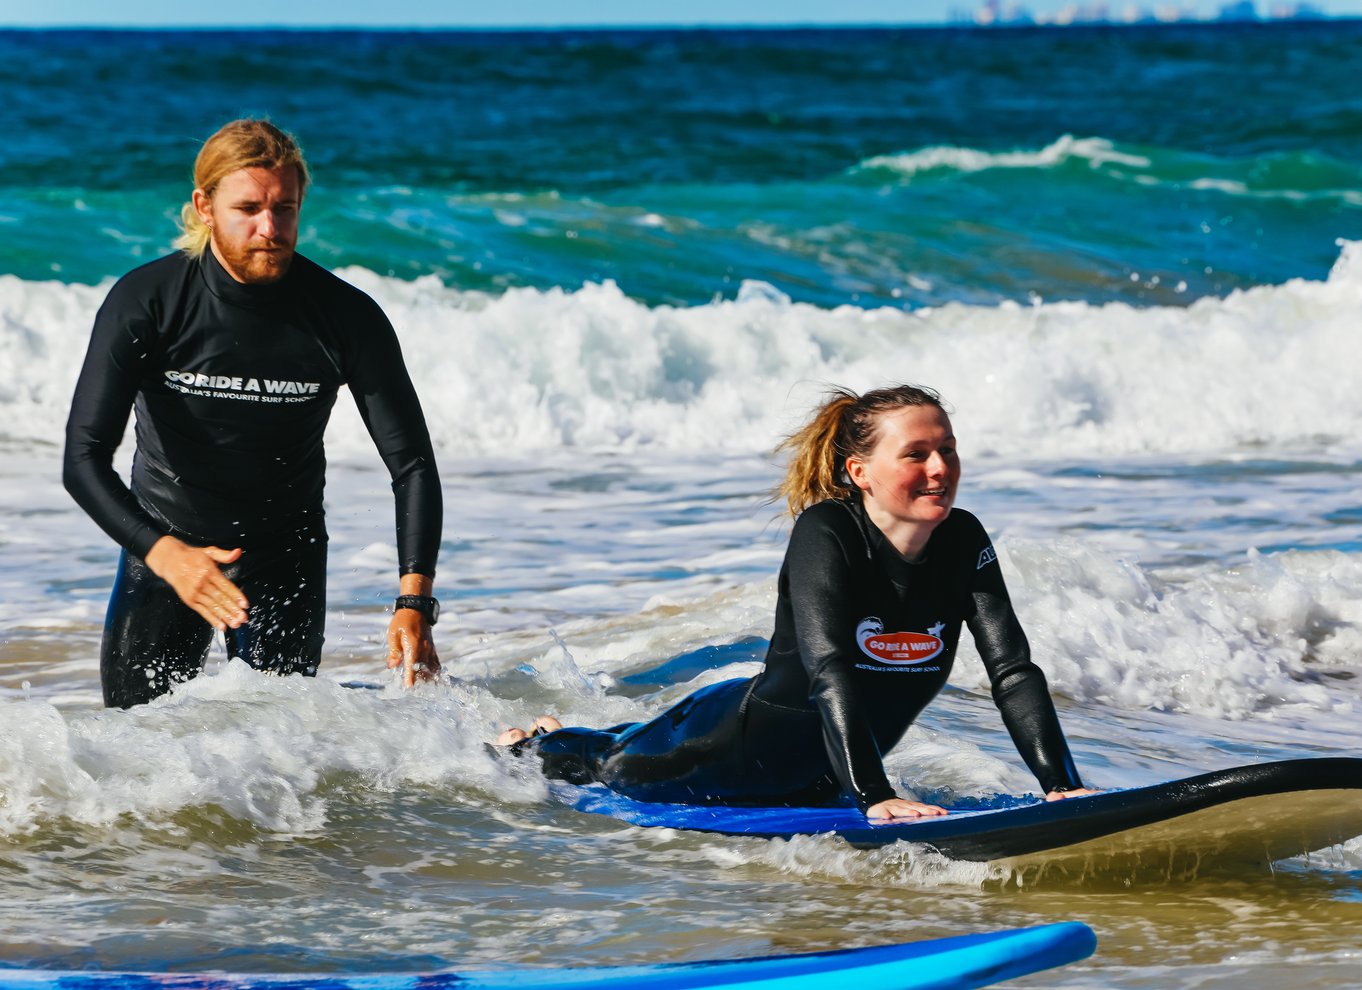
(232, 351)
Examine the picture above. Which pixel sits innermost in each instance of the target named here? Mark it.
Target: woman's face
(913, 471)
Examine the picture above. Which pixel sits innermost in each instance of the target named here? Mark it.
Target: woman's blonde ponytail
(845, 425)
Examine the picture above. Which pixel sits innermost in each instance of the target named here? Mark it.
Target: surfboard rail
(954, 963)
(1232, 817)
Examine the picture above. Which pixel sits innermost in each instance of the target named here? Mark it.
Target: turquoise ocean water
(623, 265)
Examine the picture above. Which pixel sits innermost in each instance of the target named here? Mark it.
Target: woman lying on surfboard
(880, 574)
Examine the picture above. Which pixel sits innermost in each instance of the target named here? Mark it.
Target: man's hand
(410, 643)
(193, 574)
(411, 646)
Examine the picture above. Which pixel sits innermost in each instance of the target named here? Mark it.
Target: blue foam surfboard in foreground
(1229, 819)
(938, 964)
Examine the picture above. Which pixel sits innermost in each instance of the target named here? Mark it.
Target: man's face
(254, 217)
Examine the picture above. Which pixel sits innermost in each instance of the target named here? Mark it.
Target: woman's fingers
(1076, 792)
(899, 808)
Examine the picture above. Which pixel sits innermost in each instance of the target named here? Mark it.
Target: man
(231, 352)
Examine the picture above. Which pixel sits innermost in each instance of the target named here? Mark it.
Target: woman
(880, 574)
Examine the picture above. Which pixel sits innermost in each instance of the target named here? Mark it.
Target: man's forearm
(416, 584)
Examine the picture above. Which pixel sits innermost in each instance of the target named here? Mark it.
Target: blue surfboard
(1229, 819)
(939, 964)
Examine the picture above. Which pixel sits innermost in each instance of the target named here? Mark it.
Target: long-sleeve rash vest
(233, 385)
(863, 640)
(866, 640)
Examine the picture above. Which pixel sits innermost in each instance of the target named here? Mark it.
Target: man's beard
(255, 267)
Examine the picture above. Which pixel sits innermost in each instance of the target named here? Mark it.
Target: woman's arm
(819, 578)
(1019, 688)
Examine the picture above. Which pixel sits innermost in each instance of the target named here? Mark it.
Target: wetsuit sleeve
(819, 575)
(108, 384)
(1019, 687)
(391, 412)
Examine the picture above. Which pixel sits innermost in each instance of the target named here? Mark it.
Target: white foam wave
(255, 746)
(903, 865)
(1269, 637)
(536, 370)
(1234, 187)
(44, 329)
(1102, 155)
(1276, 635)
(1095, 151)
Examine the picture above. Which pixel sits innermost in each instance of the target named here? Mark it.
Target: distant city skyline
(591, 13)
(1002, 13)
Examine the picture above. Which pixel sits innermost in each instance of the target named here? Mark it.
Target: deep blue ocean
(901, 167)
(623, 265)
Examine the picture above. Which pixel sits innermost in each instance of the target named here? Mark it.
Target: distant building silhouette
(1009, 13)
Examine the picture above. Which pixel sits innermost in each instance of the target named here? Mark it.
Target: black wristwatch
(429, 607)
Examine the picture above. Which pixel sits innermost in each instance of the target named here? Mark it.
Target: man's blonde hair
(245, 143)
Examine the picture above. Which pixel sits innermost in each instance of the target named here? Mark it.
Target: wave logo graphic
(900, 648)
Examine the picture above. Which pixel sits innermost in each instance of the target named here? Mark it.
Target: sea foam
(1092, 150)
(261, 749)
(592, 368)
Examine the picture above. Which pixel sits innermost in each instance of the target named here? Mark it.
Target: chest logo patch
(242, 388)
(900, 647)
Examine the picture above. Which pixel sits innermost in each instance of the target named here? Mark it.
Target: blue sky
(464, 13)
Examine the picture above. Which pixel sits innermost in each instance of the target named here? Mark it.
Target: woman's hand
(899, 808)
(194, 575)
(1076, 792)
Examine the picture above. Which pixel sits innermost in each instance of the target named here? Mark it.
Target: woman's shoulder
(831, 521)
(962, 532)
(963, 521)
(833, 513)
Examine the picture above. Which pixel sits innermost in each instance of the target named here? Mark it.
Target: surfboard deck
(937, 964)
(1227, 819)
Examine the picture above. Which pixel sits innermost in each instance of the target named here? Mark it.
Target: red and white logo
(901, 647)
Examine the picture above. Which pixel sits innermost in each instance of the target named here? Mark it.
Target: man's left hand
(412, 647)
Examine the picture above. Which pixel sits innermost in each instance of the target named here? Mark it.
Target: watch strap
(426, 605)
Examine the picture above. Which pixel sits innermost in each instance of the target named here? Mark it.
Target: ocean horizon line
(677, 28)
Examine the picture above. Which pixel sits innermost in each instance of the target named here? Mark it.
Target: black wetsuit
(233, 386)
(863, 641)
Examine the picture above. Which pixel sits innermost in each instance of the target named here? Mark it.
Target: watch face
(434, 611)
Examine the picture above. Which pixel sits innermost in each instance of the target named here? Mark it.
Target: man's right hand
(194, 575)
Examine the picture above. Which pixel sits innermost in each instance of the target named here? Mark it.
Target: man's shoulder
(163, 271)
(141, 287)
(327, 285)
